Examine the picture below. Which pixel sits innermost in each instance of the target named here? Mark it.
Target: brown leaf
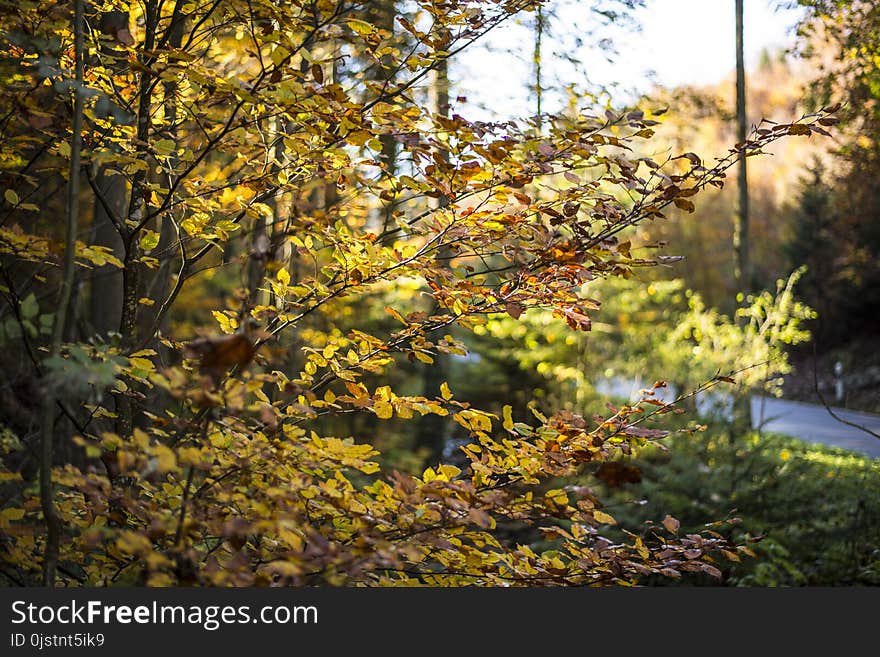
(570, 209)
(217, 354)
(514, 309)
(799, 129)
(711, 570)
(616, 474)
(318, 73)
(639, 432)
(684, 204)
(124, 37)
(576, 319)
(671, 524)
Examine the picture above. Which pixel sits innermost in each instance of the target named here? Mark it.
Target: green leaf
(164, 147)
(149, 240)
(29, 307)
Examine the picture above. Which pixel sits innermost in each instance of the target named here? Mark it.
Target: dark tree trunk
(432, 428)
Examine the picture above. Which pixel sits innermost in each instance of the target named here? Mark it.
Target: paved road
(812, 423)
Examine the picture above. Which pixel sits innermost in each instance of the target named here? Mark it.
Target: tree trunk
(47, 499)
(742, 408)
(432, 428)
(383, 15)
(536, 58)
(137, 209)
(105, 297)
(105, 288)
(742, 267)
(160, 286)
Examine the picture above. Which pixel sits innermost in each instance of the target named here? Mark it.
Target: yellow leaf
(601, 516)
(190, 456)
(383, 409)
(507, 412)
(132, 543)
(142, 364)
(445, 391)
(450, 472)
(167, 460)
(279, 54)
(283, 276)
(149, 240)
(396, 315)
(220, 440)
(292, 539)
(227, 323)
(358, 137)
(358, 390)
(141, 439)
(12, 514)
(11, 197)
(361, 27)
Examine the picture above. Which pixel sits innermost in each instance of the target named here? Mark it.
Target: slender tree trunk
(536, 58)
(105, 286)
(137, 209)
(383, 17)
(742, 406)
(161, 283)
(432, 428)
(742, 267)
(50, 555)
(105, 296)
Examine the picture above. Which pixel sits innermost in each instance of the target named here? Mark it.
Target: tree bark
(160, 286)
(105, 286)
(742, 268)
(383, 15)
(137, 209)
(50, 554)
(105, 296)
(432, 428)
(536, 58)
(742, 407)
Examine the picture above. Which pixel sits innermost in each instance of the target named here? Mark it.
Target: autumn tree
(255, 160)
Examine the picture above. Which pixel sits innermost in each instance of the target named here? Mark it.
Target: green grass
(815, 508)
